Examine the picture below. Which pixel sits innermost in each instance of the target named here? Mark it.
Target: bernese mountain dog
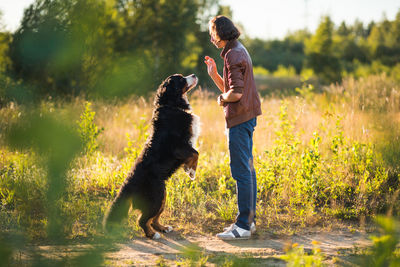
(170, 145)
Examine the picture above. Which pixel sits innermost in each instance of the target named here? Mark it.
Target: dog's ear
(165, 86)
(170, 84)
(166, 83)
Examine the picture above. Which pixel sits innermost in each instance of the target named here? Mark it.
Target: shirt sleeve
(235, 67)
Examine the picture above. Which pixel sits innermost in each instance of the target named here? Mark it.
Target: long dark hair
(224, 28)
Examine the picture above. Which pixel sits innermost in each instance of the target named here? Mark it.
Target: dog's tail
(117, 211)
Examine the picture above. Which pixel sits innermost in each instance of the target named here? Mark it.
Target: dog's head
(172, 91)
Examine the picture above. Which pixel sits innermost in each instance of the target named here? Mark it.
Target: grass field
(320, 158)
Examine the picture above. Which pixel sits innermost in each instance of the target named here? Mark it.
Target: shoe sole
(234, 238)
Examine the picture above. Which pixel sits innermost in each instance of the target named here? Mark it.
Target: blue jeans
(241, 162)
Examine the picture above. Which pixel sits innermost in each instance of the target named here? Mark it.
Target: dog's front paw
(191, 173)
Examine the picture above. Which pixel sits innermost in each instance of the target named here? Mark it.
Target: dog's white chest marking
(196, 128)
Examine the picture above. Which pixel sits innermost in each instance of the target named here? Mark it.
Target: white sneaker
(235, 232)
(252, 227)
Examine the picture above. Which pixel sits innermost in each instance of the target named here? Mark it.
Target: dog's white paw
(169, 229)
(191, 173)
(156, 236)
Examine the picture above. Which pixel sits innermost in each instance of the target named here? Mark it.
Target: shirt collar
(229, 45)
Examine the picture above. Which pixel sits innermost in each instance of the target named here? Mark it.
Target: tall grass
(317, 155)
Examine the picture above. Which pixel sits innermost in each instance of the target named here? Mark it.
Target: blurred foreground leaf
(58, 143)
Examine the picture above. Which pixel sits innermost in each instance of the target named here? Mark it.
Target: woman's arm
(212, 71)
(219, 82)
(231, 96)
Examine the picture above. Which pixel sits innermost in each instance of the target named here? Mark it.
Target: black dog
(170, 145)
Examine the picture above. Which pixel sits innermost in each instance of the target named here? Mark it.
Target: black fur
(167, 148)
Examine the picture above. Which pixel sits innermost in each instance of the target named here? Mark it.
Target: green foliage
(384, 41)
(296, 256)
(282, 71)
(193, 256)
(22, 193)
(88, 130)
(329, 175)
(5, 39)
(62, 54)
(50, 191)
(341, 179)
(152, 30)
(57, 143)
(34, 190)
(271, 54)
(134, 146)
(306, 91)
(384, 251)
(115, 48)
(128, 47)
(260, 71)
(108, 48)
(127, 74)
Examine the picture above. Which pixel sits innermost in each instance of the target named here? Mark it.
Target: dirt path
(266, 249)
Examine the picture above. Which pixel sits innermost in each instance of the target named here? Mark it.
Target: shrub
(88, 130)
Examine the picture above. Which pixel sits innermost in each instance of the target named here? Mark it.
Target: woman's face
(214, 39)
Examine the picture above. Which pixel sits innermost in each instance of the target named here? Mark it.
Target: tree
(343, 30)
(320, 53)
(109, 47)
(349, 46)
(271, 54)
(5, 39)
(384, 41)
(169, 31)
(60, 47)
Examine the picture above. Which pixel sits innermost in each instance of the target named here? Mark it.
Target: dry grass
(120, 119)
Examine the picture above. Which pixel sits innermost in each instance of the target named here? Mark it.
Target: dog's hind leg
(145, 222)
(156, 223)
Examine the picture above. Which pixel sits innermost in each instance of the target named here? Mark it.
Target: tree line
(334, 51)
(122, 47)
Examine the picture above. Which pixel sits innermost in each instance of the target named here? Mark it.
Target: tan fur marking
(156, 223)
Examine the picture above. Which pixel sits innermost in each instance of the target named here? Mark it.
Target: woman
(242, 105)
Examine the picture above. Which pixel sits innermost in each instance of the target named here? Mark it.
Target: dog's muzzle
(191, 81)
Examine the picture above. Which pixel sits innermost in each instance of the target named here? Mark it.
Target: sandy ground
(143, 252)
(264, 249)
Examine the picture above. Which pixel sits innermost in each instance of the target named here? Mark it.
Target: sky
(268, 19)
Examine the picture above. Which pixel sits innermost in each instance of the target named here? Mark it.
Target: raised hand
(211, 66)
